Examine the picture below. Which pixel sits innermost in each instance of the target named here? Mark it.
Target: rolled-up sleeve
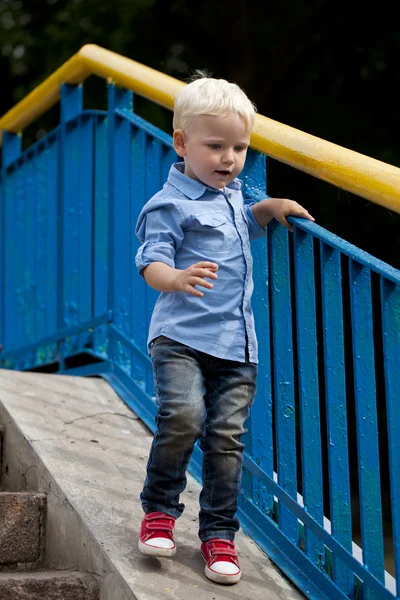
(255, 230)
(160, 233)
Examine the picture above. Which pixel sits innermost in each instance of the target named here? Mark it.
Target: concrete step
(22, 518)
(48, 585)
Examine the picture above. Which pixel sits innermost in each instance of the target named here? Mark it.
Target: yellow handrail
(364, 176)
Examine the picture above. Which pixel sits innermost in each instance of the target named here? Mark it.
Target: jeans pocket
(158, 340)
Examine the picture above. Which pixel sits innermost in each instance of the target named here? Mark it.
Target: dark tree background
(329, 69)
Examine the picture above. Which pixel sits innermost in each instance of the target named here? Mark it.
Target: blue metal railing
(327, 318)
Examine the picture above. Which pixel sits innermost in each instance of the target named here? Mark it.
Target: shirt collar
(190, 187)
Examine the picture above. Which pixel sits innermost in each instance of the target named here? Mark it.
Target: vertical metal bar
(120, 230)
(310, 424)
(19, 250)
(335, 392)
(85, 222)
(169, 157)
(100, 233)
(51, 245)
(141, 374)
(11, 148)
(260, 437)
(390, 300)
(70, 107)
(71, 103)
(283, 375)
(41, 238)
(71, 232)
(153, 185)
(9, 264)
(366, 422)
(29, 231)
(10, 151)
(123, 230)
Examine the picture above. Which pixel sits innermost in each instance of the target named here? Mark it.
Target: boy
(195, 250)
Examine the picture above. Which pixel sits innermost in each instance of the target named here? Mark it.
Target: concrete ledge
(22, 518)
(88, 451)
(48, 586)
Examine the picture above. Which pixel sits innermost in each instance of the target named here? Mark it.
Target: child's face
(214, 148)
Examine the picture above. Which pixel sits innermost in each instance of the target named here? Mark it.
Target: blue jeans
(199, 397)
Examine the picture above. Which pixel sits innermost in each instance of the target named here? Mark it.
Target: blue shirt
(187, 222)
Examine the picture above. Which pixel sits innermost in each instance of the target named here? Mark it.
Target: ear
(179, 142)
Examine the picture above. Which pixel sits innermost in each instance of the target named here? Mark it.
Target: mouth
(224, 172)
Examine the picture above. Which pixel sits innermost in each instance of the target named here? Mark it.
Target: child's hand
(282, 208)
(195, 275)
(279, 209)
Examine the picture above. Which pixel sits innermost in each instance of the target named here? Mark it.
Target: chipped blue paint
(282, 350)
(141, 370)
(366, 422)
(100, 233)
(68, 208)
(68, 240)
(119, 289)
(390, 300)
(336, 411)
(308, 388)
(259, 441)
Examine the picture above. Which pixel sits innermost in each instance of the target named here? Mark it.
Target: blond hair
(209, 96)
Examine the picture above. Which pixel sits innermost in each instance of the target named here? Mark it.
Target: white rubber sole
(156, 551)
(224, 579)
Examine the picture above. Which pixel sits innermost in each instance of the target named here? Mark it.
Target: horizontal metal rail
(361, 175)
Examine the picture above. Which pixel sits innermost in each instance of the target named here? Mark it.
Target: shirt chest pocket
(214, 232)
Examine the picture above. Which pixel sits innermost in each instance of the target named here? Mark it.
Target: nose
(227, 158)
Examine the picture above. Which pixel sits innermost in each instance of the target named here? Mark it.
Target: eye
(240, 148)
(214, 146)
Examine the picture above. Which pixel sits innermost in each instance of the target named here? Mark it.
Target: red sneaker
(222, 563)
(157, 535)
